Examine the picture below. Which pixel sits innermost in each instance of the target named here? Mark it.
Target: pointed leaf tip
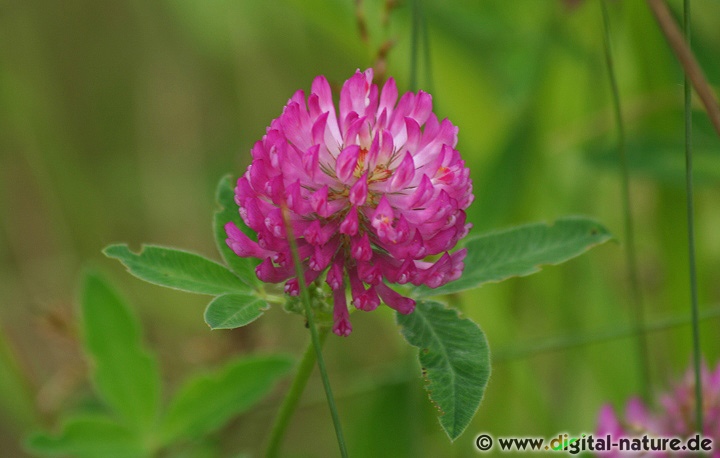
(522, 251)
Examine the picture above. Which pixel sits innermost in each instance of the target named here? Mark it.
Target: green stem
(631, 259)
(426, 54)
(292, 398)
(415, 44)
(305, 298)
(691, 232)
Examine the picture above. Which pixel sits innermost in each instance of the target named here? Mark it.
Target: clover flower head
(374, 194)
(674, 418)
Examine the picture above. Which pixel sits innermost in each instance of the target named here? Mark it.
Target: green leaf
(520, 251)
(88, 437)
(125, 375)
(225, 197)
(206, 403)
(177, 269)
(231, 311)
(455, 361)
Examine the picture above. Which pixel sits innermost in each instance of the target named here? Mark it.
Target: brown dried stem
(687, 60)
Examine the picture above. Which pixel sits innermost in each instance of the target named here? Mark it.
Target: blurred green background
(117, 119)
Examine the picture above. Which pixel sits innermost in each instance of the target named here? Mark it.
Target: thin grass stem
(691, 231)
(426, 53)
(415, 43)
(631, 258)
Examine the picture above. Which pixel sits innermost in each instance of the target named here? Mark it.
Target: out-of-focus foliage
(130, 423)
(118, 118)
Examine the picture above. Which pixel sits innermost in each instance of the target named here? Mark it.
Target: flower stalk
(292, 398)
(315, 337)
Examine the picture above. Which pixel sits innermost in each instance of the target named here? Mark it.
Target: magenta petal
(382, 219)
(423, 107)
(335, 274)
(243, 190)
(413, 248)
(436, 275)
(402, 304)
(295, 200)
(369, 300)
(318, 128)
(293, 288)
(316, 234)
(341, 316)
(369, 273)
(403, 174)
(356, 130)
(442, 241)
(257, 174)
(388, 96)
(351, 223)
(268, 273)
(321, 89)
(402, 230)
(413, 135)
(372, 154)
(295, 124)
(241, 244)
(354, 95)
(346, 163)
(322, 255)
(403, 109)
(311, 160)
(609, 424)
(359, 191)
(275, 224)
(319, 201)
(406, 272)
(253, 215)
(636, 414)
(360, 248)
(363, 299)
(275, 188)
(423, 193)
(387, 146)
